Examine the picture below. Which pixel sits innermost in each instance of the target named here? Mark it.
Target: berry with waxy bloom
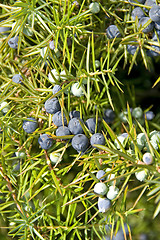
(100, 188)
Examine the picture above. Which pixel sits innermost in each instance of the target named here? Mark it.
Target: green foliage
(40, 200)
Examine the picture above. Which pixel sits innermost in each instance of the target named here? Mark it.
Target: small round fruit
(103, 204)
(20, 154)
(30, 125)
(63, 75)
(97, 138)
(137, 112)
(122, 139)
(144, 21)
(110, 176)
(45, 141)
(5, 30)
(75, 126)
(109, 115)
(112, 193)
(137, 12)
(112, 31)
(5, 107)
(13, 42)
(94, 7)
(63, 131)
(100, 175)
(74, 114)
(17, 78)
(132, 49)
(56, 89)
(52, 105)
(100, 188)
(58, 120)
(97, 63)
(91, 124)
(77, 90)
(154, 13)
(43, 51)
(147, 158)
(141, 175)
(80, 142)
(149, 115)
(51, 45)
(54, 157)
(55, 74)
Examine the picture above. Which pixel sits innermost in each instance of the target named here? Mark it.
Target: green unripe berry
(141, 176)
(94, 7)
(54, 157)
(112, 193)
(137, 112)
(97, 63)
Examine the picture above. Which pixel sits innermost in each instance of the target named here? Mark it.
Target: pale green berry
(97, 63)
(54, 157)
(141, 175)
(43, 51)
(122, 141)
(123, 116)
(55, 74)
(110, 176)
(20, 154)
(137, 112)
(4, 107)
(61, 75)
(27, 31)
(112, 193)
(77, 90)
(147, 158)
(94, 7)
(100, 188)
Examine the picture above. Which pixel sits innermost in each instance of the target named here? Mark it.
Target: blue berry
(45, 141)
(75, 126)
(30, 125)
(80, 142)
(149, 3)
(143, 21)
(112, 31)
(17, 78)
(91, 124)
(56, 89)
(154, 13)
(109, 115)
(97, 138)
(149, 115)
(74, 114)
(137, 12)
(103, 204)
(13, 42)
(57, 119)
(132, 49)
(5, 30)
(100, 174)
(52, 105)
(63, 131)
